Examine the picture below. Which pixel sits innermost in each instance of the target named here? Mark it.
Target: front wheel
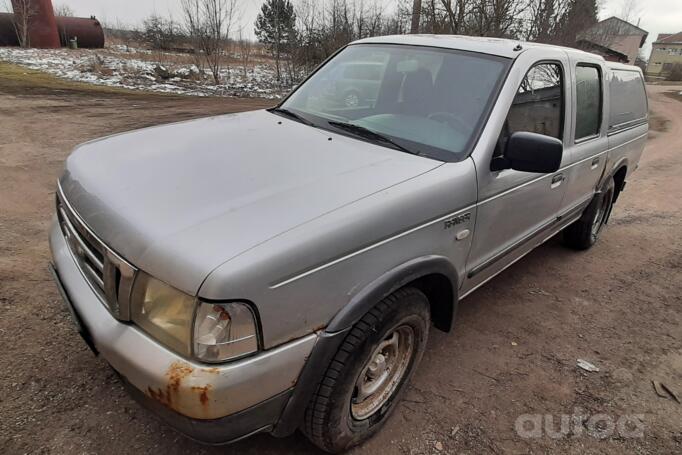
(365, 379)
(584, 233)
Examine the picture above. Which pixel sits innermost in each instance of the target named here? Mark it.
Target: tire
(584, 233)
(335, 420)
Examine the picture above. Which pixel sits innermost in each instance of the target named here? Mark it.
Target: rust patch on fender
(213, 370)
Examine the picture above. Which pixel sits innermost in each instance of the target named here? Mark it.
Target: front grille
(109, 275)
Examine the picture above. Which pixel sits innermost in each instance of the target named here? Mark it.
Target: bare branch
(208, 24)
(24, 11)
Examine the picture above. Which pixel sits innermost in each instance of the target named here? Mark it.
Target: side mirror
(531, 152)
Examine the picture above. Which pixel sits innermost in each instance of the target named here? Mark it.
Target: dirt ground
(513, 351)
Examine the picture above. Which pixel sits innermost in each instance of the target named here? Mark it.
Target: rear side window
(627, 99)
(588, 101)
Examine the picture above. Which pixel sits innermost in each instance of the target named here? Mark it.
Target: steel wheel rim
(383, 373)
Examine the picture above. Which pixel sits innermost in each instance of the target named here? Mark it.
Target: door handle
(595, 163)
(557, 180)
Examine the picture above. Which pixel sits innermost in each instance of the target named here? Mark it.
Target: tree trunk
(416, 13)
(277, 59)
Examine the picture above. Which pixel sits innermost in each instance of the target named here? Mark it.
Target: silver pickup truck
(281, 269)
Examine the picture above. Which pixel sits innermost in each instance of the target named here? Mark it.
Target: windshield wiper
(370, 134)
(292, 115)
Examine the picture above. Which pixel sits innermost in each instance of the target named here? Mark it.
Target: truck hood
(179, 200)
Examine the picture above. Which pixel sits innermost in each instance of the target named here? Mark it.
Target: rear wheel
(368, 373)
(584, 233)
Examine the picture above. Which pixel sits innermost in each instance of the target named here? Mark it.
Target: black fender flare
(390, 282)
(609, 174)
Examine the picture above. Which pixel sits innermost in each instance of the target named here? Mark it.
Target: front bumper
(197, 399)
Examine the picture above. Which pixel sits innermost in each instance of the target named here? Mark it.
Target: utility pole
(416, 12)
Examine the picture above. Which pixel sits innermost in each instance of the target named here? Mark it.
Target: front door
(516, 208)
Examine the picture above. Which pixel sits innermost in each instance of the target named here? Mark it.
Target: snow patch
(117, 66)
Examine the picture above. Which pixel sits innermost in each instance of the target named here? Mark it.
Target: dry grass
(19, 76)
(259, 55)
(18, 80)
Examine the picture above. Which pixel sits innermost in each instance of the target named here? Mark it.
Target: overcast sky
(655, 16)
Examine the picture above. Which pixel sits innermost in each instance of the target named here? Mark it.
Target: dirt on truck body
(503, 381)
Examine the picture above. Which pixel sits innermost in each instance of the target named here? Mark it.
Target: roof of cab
(493, 46)
(623, 66)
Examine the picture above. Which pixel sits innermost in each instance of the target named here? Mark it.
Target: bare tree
(630, 11)
(24, 11)
(578, 21)
(324, 27)
(545, 20)
(208, 24)
(245, 48)
(497, 18)
(456, 11)
(444, 16)
(63, 9)
(219, 16)
(308, 53)
(191, 12)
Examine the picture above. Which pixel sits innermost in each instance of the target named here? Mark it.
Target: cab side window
(588, 102)
(538, 106)
(627, 100)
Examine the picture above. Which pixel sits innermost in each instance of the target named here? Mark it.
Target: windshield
(422, 100)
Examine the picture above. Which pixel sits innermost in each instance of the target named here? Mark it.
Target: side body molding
(393, 280)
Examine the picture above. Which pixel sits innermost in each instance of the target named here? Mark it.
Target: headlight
(163, 312)
(215, 333)
(224, 331)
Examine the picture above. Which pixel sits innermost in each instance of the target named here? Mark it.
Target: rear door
(588, 142)
(628, 117)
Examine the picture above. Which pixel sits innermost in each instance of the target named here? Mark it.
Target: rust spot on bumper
(160, 395)
(177, 371)
(203, 394)
(178, 396)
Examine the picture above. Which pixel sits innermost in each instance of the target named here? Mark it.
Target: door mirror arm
(500, 163)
